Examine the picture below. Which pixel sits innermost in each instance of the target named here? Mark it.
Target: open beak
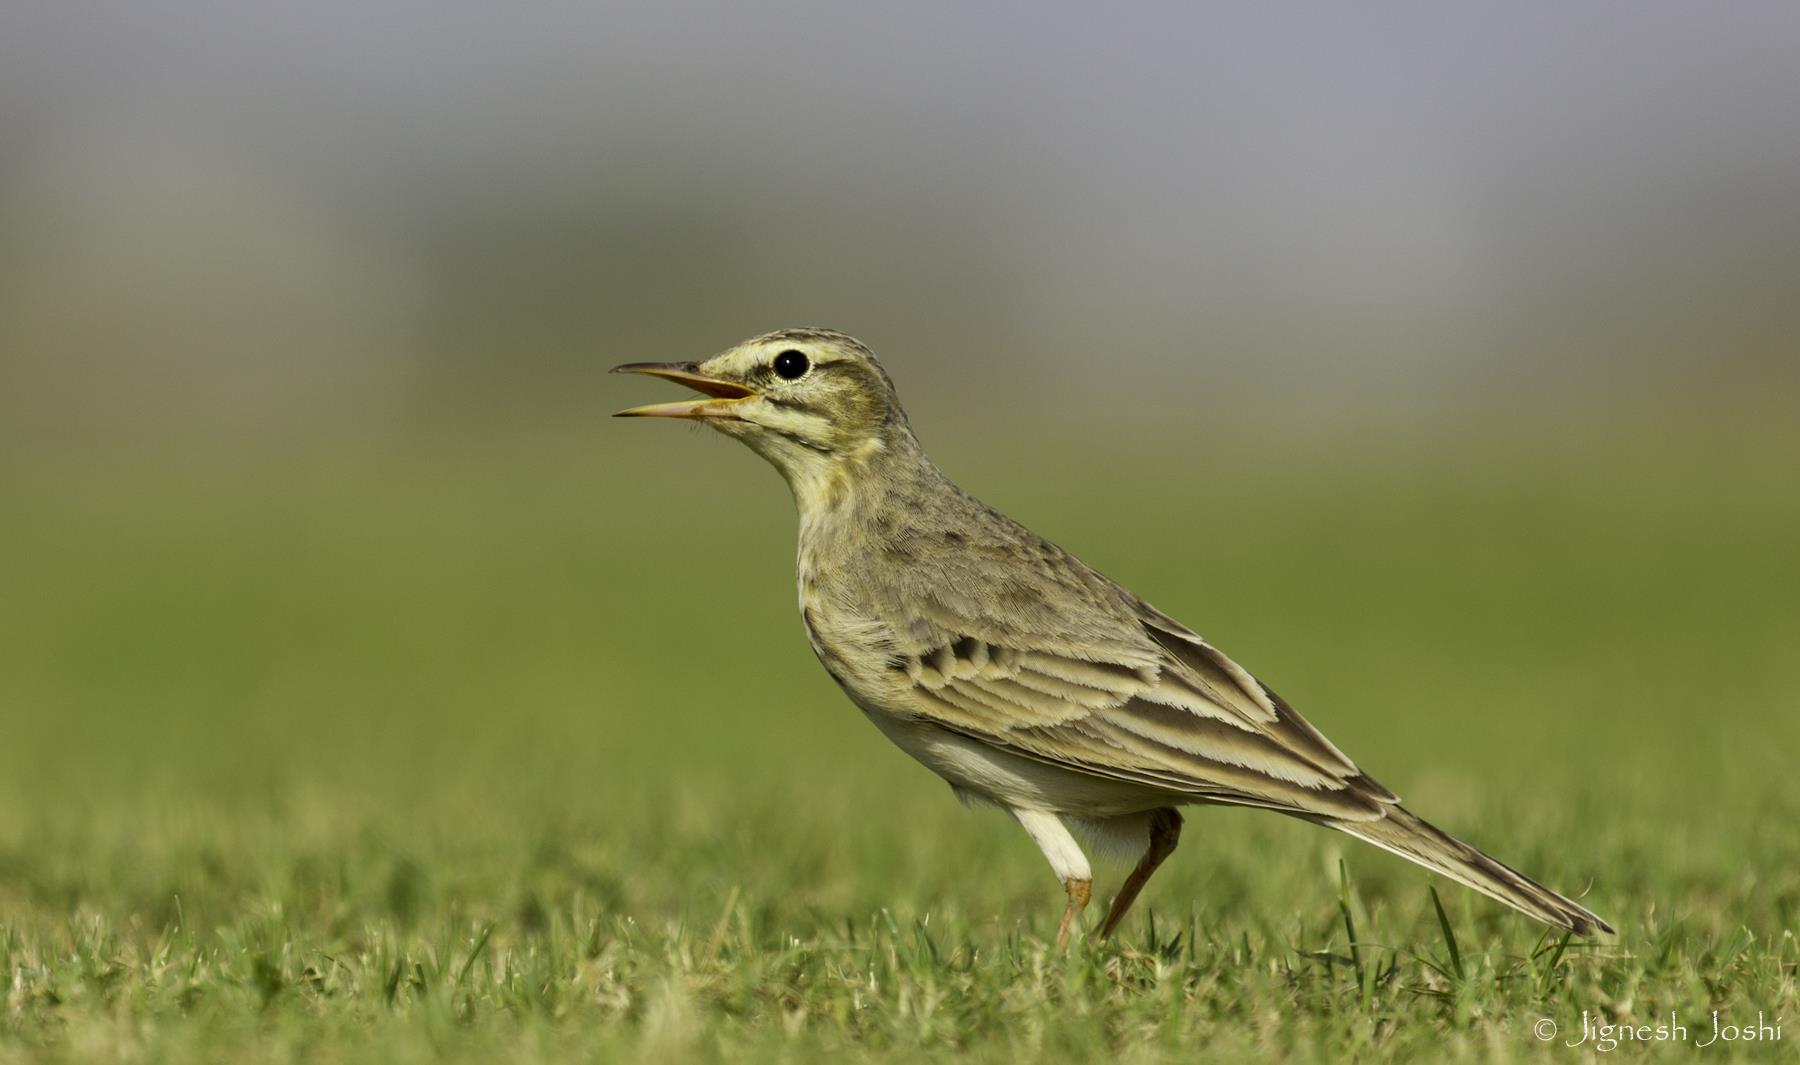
(724, 394)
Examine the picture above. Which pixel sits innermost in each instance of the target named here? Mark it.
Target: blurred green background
(1440, 366)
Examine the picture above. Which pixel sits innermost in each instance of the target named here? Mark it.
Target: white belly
(978, 771)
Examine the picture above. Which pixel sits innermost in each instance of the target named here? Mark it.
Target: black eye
(791, 365)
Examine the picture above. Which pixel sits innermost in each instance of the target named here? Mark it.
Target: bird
(1012, 669)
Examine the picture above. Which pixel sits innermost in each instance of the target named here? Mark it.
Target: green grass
(516, 752)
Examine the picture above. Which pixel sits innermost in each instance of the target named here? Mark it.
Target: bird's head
(807, 400)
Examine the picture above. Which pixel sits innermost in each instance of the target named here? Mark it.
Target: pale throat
(833, 496)
(824, 485)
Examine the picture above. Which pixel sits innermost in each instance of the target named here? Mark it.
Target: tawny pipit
(1010, 668)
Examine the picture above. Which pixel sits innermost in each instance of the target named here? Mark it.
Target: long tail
(1405, 834)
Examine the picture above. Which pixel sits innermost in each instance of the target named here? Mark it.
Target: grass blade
(1449, 935)
(1350, 923)
(474, 952)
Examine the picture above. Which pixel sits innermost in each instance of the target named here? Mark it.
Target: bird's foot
(1080, 891)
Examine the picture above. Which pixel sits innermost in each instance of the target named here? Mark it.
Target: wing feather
(1172, 713)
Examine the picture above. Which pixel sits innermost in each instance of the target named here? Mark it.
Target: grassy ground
(517, 753)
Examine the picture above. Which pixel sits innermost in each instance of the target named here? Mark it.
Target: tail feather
(1403, 833)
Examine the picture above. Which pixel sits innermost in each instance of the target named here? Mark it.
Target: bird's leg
(1079, 893)
(1165, 832)
(1066, 860)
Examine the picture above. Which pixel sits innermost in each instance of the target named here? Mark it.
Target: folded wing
(1158, 706)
